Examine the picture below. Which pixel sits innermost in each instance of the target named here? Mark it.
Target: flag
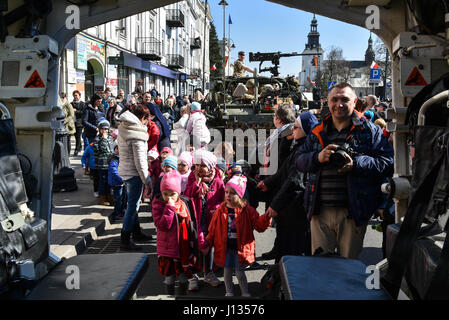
(315, 62)
(230, 21)
(213, 67)
(226, 60)
(374, 65)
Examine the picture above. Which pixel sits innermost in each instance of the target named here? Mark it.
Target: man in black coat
(78, 105)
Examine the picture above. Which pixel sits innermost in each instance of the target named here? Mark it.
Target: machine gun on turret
(274, 57)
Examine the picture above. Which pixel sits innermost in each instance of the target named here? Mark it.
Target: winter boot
(126, 243)
(102, 199)
(110, 199)
(180, 288)
(139, 236)
(170, 289)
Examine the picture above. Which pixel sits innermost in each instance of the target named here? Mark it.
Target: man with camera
(346, 157)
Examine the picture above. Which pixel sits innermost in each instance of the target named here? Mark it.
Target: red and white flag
(374, 65)
(213, 67)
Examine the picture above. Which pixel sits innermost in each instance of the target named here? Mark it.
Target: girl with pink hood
(177, 247)
(185, 161)
(206, 189)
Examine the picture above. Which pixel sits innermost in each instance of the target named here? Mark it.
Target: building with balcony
(162, 48)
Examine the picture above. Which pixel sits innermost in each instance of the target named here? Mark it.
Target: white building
(312, 57)
(164, 47)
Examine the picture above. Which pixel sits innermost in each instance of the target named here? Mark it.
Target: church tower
(370, 56)
(311, 61)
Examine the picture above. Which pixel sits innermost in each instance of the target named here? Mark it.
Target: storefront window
(139, 82)
(123, 78)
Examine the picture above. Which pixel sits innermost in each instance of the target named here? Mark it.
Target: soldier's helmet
(241, 53)
(250, 83)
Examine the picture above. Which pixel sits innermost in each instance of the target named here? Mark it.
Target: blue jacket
(89, 156)
(114, 178)
(374, 163)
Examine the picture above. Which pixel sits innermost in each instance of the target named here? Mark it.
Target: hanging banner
(85, 47)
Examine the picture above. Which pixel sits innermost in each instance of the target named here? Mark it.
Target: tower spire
(314, 35)
(370, 55)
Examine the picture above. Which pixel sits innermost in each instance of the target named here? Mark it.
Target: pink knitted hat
(238, 183)
(186, 157)
(171, 181)
(167, 149)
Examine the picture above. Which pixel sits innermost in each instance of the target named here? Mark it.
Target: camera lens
(338, 159)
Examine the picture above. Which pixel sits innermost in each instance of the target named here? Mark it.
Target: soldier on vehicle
(239, 67)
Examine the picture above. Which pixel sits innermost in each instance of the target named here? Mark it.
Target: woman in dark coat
(161, 122)
(287, 202)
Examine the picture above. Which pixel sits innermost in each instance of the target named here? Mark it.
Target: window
(151, 25)
(122, 27)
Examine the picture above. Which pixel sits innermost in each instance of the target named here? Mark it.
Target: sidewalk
(77, 219)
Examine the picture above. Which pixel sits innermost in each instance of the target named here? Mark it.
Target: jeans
(103, 187)
(79, 131)
(119, 199)
(85, 140)
(134, 189)
(95, 177)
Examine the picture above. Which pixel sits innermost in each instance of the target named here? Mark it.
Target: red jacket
(155, 169)
(215, 197)
(153, 134)
(246, 220)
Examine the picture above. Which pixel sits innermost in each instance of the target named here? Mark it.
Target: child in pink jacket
(206, 189)
(177, 248)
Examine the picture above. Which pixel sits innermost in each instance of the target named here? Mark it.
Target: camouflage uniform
(249, 85)
(238, 69)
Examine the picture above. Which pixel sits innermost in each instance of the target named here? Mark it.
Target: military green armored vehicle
(250, 102)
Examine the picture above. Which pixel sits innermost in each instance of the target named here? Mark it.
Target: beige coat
(133, 147)
(69, 120)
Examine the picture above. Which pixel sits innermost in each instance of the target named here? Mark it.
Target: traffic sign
(330, 84)
(374, 74)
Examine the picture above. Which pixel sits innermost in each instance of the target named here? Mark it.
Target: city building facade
(166, 48)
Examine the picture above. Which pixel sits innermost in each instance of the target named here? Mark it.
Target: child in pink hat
(176, 242)
(185, 161)
(231, 233)
(206, 189)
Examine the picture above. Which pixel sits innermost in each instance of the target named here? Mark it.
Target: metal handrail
(436, 98)
(5, 111)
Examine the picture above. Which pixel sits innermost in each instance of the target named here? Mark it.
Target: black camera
(338, 158)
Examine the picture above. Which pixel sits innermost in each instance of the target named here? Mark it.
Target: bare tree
(335, 68)
(384, 62)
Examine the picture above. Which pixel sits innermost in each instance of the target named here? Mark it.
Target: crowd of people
(204, 203)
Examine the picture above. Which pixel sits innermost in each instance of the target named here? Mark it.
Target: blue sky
(259, 25)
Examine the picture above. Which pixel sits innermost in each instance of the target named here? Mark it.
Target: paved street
(81, 226)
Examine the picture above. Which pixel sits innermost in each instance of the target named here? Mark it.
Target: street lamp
(230, 48)
(224, 4)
